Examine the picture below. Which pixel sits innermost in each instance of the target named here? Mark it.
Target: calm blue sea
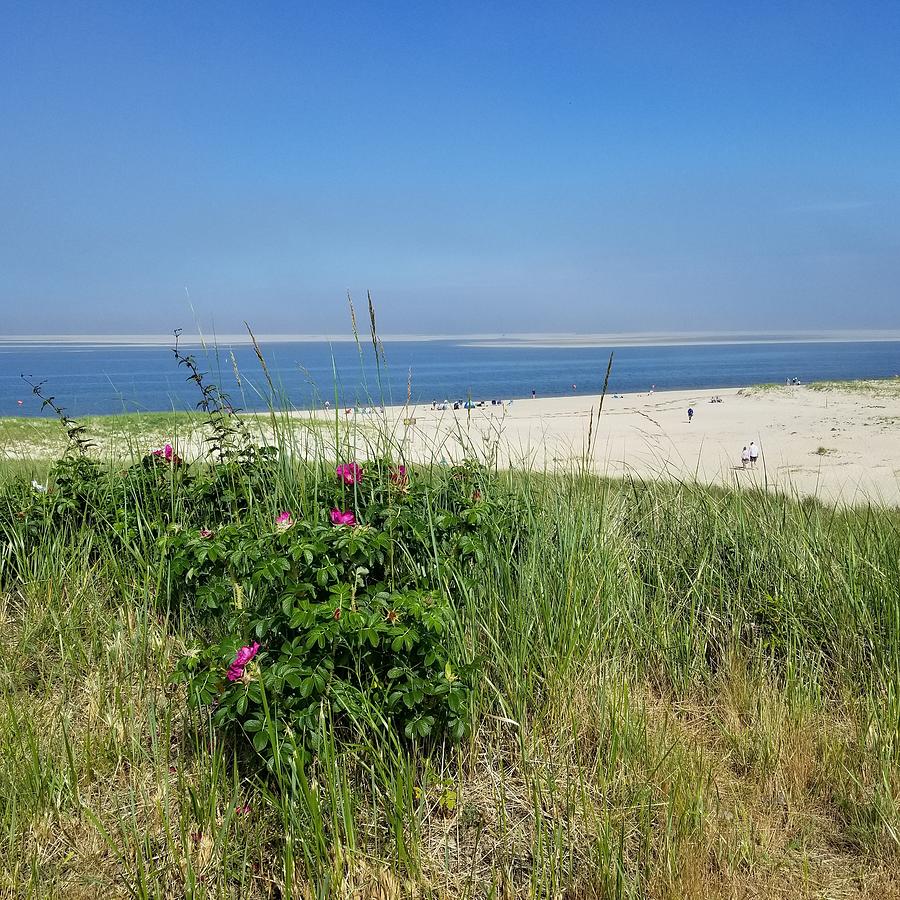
(91, 379)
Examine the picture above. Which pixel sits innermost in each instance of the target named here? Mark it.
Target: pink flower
(342, 518)
(244, 655)
(350, 473)
(283, 521)
(205, 533)
(168, 454)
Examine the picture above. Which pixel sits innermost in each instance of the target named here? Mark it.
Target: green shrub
(351, 618)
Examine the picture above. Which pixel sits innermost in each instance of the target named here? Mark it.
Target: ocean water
(91, 379)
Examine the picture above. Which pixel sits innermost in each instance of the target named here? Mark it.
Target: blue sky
(483, 167)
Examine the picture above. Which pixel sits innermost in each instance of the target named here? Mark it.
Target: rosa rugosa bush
(344, 608)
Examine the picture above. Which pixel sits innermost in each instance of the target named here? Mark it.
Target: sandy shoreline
(840, 444)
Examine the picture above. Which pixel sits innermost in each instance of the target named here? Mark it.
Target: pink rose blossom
(244, 655)
(342, 518)
(168, 454)
(350, 473)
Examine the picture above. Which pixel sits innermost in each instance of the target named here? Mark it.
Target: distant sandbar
(544, 340)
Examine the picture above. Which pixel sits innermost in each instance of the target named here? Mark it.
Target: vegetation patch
(870, 387)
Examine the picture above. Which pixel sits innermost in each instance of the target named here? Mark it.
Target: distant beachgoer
(327, 404)
(533, 394)
(745, 457)
(690, 414)
(574, 387)
(754, 453)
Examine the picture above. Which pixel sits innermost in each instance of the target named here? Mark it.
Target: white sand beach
(840, 444)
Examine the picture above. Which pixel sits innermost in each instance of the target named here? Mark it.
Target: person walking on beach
(690, 414)
(754, 454)
(745, 457)
(533, 394)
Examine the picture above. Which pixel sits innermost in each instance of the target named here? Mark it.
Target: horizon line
(487, 340)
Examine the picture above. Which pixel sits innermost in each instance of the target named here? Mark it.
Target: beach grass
(861, 387)
(872, 387)
(46, 437)
(680, 691)
(127, 436)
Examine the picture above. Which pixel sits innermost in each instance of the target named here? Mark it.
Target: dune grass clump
(328, 671)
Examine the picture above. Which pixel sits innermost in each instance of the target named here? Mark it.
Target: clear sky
(481, 167)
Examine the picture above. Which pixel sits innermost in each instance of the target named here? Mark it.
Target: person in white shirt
(745, 457)
(754, 453)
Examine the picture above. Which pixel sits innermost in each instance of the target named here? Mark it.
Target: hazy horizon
(488, 169)
(509, 339)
